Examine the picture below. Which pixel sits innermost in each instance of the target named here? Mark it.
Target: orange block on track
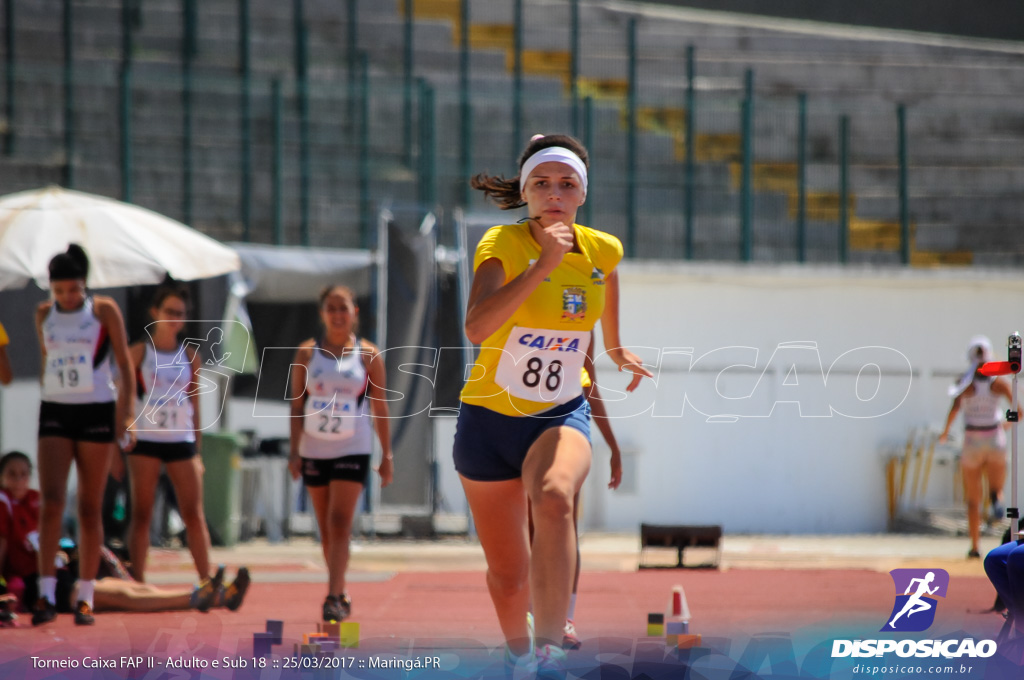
(688, 641)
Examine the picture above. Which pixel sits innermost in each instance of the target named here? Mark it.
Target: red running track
(455, 606)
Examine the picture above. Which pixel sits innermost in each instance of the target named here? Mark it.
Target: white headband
(556, 154)
(977, 342)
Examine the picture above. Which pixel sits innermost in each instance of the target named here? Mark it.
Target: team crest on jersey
(574, 304)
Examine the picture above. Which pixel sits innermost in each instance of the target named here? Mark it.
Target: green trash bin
(222, 497)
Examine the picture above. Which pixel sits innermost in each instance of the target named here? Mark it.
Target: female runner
(523, 432)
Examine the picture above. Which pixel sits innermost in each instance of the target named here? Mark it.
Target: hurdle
(680, 537)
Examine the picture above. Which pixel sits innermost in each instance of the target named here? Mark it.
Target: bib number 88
(532, 376)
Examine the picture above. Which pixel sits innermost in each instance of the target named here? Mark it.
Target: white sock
(48, 588)
(572, 607)
(85, 591)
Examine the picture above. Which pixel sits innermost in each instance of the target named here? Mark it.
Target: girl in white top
(81, 417)
(166, 431)
(332, 401)
(984, 451)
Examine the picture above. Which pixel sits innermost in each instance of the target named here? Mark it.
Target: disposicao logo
(914, 610)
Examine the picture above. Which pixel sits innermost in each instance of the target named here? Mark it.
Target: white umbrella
(127, 245)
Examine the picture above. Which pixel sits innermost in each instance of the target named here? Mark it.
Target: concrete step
(961, 208)
(810, 74)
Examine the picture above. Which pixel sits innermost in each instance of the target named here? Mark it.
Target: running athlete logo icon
(914, 610)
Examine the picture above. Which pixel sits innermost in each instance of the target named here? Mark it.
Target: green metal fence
(680, 170)
(737, 180)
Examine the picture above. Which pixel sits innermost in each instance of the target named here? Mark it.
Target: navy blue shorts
(491, 447)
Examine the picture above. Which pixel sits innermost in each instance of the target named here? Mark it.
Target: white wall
(19, 428)
(773, 470)
(19, 416)
(783, 472)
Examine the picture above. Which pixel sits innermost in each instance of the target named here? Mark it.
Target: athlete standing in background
(81, 416)
(337, 384)
(166, 431)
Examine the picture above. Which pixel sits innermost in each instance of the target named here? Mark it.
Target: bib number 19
(71, 380)
(68, 374)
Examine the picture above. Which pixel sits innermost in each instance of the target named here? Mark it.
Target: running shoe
(332, 609)
(346, 606)
(551, 663)
(235, 593)
(208, 592)
(569, 638)
(7, 605)
(998, 513)
(523, 666)
(44, 612)
(973, 554)
(83, 614)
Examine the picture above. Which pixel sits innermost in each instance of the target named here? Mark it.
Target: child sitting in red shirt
(19, 528)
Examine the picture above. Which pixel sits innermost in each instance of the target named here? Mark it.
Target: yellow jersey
(4, 340)
(535, 360)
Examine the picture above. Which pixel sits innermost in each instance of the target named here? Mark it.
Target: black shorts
(323, 471)
(77, 422)
(166, 452)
